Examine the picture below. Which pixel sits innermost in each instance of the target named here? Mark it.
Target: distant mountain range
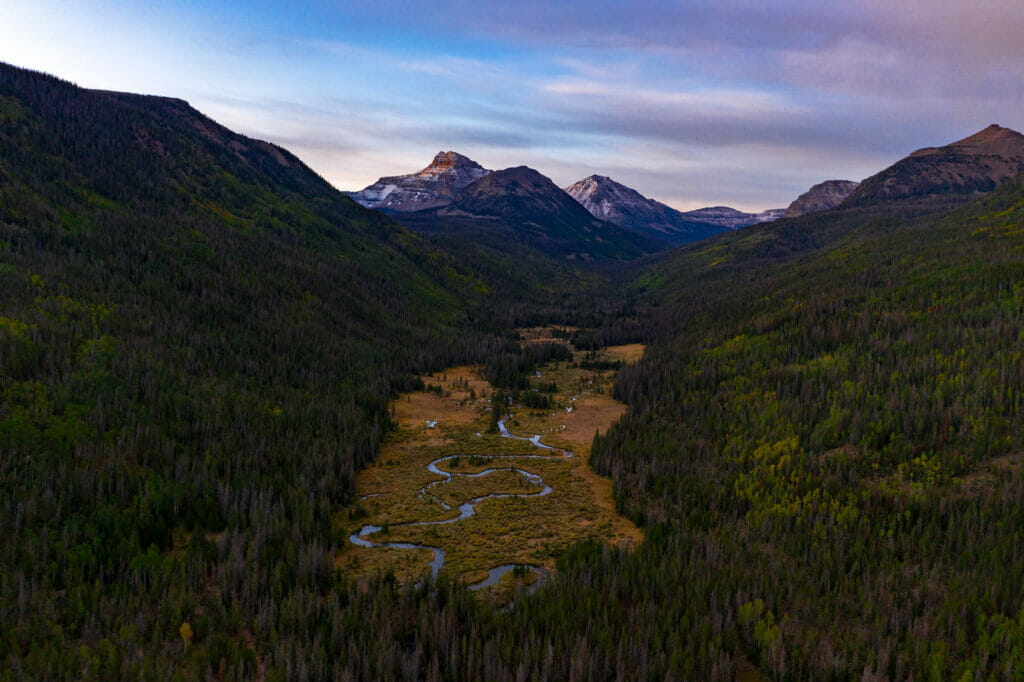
(521, 202)
(453, 186)
(732, 219)
(439, 185)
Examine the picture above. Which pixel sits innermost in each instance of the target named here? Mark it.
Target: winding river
(468, 508)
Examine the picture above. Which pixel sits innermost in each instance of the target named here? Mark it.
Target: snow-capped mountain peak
(612, 201)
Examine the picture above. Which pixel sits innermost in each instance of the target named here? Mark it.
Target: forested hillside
(840, 440)
(199, 338)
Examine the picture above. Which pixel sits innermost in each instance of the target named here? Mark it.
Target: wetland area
(490, 502)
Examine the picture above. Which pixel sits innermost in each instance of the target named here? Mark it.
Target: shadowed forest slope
(841, 436)
(199, 338)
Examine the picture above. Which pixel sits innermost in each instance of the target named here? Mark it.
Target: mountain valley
(253, 427)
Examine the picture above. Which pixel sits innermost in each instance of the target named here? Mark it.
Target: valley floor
(475, 495)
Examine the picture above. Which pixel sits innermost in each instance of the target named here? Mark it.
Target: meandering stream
(468, 508)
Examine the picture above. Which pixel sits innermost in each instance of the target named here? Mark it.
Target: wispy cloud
(702, 101)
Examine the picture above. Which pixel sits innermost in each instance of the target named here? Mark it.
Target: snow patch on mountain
(732, 219)
(436, 185)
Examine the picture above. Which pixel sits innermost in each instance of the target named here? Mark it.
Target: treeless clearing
(504, 530)
(986, 476)
(629, 353)
(591, 413)
(456, 402)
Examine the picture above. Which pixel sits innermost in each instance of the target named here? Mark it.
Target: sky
(718, 102)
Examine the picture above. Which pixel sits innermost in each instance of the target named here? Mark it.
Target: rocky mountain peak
(612, 201)
(594, 181)
(605, 198)
(993, 137)
(945, 176)
(436, 185)
(447, 161)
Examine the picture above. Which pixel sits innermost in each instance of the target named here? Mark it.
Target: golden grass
(628, 353)
(461, 489)
(513, 530)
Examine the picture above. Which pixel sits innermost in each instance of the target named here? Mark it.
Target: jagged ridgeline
(616, 203)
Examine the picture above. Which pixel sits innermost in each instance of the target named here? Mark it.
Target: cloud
(690, 101)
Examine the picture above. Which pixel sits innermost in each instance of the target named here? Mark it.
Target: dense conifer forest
(199, 338)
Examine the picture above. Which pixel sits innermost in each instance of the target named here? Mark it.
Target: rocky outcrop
(821, 197)
(436, 185)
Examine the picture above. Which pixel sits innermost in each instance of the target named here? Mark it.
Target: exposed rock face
(518, 194)
(616, 203)
(436, 185)
(531, 207)
(769, 215)
(973, 165)
(731, 219)
(821, 197)
(607, 199)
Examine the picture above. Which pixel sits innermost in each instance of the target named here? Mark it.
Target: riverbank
(526, 500)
